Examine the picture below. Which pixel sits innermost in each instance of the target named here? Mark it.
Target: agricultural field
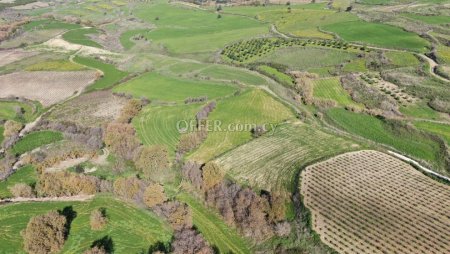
(10, 56)
(133, 233)
(157, 125)
(35, 140)
(272, 161)
(161, 88)
(55, 65)
(331, 89)
(81, 36)
(370, 202)
(260, 108)
(26, 175)
(432, 20)
(28, 111)
(440, 129)
(402, 59)
(51, 89)
(279, 76)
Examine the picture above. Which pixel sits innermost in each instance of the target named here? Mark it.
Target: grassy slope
(162, 88)
(378, 34)
(432, 20)
(1, 133)
(111, 75)
(79, 36)
(8, 112)
(442, 130)
(35, 140)
(125, 37)
(184, 30)
(277, 75)
(303, 58)
(158, 124)
(270, 162)
(331, 89)
(26, 174)
(229, 73)
(45, 24)
(402, 59)
(132, 230)
(251, 107)
(356, 65)
(214, 229)
(374, 129)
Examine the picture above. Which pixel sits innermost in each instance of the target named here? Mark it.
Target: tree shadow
(70, 215)
(106, 242)
(159, 246)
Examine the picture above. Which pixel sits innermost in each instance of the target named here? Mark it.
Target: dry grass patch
(10, 56)
(370, 202)
(47, 87)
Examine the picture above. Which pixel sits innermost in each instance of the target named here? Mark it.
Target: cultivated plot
(370, 202)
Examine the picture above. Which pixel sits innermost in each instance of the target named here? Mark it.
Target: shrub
(45, 233)
(96, 250)
(12, 128)
(153, 161)
(98, 219)
(189, 241)
(212, 175)
(130, 110)
(121, 139)
(66, 184)
(177, 214)
(154, 195)
(130, 188)
(22, 190)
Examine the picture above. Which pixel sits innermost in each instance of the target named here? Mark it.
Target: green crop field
(271, 162)
(223, 72)
(420, 110)
(402, 59)
(111, 75)
(35, 140)
(131, 229)
(80, 36)
(26, 174)
(251, 107)
(126, 37)
(375, 129)
(55, 65)
(157, 125)
(281, 77)
(303, 58)
(432, 20)
(443, 53)
(439, 129)
(332, 89)
(356, 65)
(378, 34)
(45, 24)
(8, 112)
(170, 89)
(178, 28)
(214, 229)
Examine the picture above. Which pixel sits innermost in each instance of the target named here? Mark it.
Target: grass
(443, 53)
(223, 72)
(157, 125)
(332, 89)
(8, 112)
(126, 37)
(271, 162)
(163, 88)
(254, 107)
(131, 229)
(378, 34)
(439, 129)
(357, 65)
(421, 110)
(55, 65)
(432, 20)
(303, 58)
(372, 128)
(2, 129)
(45, 24)
(183, 30)
(111, 75)
(79, 36)
(402, 59)
(281, 77)
(215, 231)
(26, 174)
(35, 140)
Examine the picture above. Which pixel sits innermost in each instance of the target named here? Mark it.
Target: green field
(378, 34)
(443, 54)
(215, 231)
(8, 112)
(26, 174)
(35, 140)
(126, 37)
(131, 229)
(271, 162)
(251, 107)
(55, 65)
(432, 20)
(184, 30)
(372, 128)
(332, 89)
(421, 110)
(157, 125)
(439, 129)
(80, 36)
(356, 65)
(277, 75)
(402, 59)
(223, 72)
(170, 89)
(45, 24)
(303, 58)
(111, 75)
(2, 129)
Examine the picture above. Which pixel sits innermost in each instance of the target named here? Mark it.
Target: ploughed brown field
(370, 202)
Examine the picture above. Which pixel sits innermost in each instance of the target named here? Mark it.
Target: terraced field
(170, 89)
(439, 129)
(130, 229)
(8, 111)
(35, 140)
(157, 125)
(254, 107)
(214, 229)
(332, 89)
(370, 202)
(271, 162)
